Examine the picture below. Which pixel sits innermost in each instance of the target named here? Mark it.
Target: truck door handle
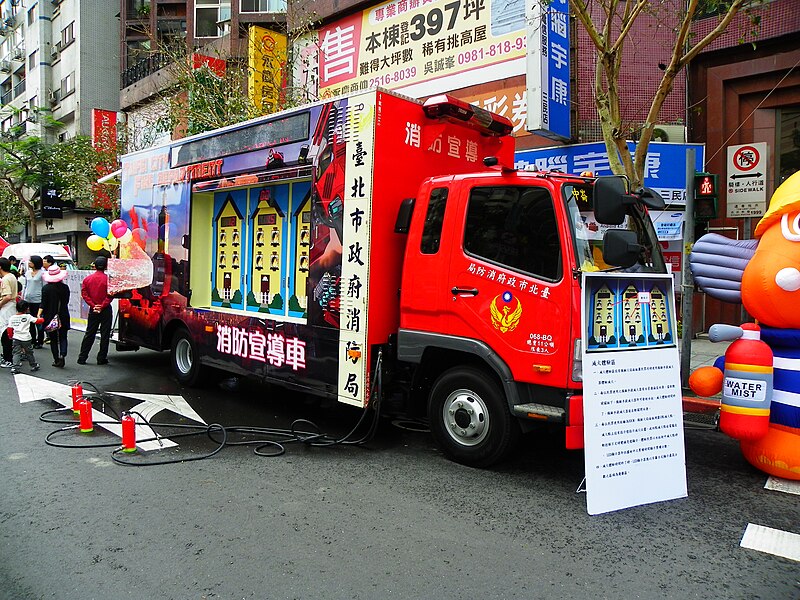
(457, 291)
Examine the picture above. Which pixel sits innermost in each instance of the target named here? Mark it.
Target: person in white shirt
(22, 341)
(33, 296)
(8, 299)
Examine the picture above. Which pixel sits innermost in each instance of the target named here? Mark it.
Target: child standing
(22, 342)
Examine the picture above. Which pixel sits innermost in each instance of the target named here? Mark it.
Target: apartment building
(59, 56)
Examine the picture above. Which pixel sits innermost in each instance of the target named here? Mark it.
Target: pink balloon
(118, 228)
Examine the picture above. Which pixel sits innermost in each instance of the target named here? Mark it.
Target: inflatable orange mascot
(763, 274)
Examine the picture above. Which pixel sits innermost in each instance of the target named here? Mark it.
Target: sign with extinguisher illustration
(632, 399)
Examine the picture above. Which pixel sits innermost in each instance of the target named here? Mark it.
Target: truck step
(541, 412)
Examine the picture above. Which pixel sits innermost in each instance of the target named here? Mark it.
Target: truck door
(510, 279)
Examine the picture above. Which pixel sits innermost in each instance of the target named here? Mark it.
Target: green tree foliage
(609, 23)
(28, 164)
(201, 98)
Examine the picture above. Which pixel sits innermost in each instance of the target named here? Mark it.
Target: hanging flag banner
(632, 401)
(266, 82)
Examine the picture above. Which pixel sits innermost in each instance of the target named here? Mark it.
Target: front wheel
(185, 359)
(469, 417)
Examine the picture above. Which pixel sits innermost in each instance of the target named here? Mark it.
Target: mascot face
(771, 281)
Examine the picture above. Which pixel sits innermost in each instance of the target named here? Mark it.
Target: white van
(23, 252)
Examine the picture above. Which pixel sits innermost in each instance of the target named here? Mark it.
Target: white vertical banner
(632, 399)
(536, 65)
(357, 127)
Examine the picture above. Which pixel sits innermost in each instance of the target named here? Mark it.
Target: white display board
(747, 180)
(79, 310)
(632, 399)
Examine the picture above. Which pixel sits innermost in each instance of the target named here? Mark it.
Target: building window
(68, 85)
(68, 35)
(262, 6)
(32, 15)
(788, 154)
(209, 16)
(32, 60)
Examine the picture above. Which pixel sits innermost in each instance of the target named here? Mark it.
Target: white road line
(771, 541)
(777, 484)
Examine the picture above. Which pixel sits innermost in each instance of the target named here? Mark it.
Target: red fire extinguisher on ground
(77, 394)
(128, 433)
(85, 409)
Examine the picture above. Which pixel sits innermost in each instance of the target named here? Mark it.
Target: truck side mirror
(403, 221)
(611, 199)
(621, 248)
(651, 199)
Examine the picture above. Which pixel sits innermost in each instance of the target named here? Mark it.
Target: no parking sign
(747, 180)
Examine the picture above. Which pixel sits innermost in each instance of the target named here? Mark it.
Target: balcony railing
(143, 68)
(19, 88)
(6, 97)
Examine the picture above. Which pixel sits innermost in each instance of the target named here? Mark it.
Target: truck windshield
(588, 233)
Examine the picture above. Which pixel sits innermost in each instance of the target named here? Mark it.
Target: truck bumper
(574, 433)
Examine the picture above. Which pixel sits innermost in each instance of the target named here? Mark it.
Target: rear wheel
(185, 359)
(470, 419)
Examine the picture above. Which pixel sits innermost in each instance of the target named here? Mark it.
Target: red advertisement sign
(104, 138)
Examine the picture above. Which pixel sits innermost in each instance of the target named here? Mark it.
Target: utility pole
(687, 281)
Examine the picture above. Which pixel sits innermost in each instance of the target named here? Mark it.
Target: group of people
(37, 305)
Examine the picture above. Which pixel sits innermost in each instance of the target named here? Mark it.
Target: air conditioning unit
(669, 133)
(54, 51)
(4, 29)
(5, 66)
(54, 97)
(17, 54)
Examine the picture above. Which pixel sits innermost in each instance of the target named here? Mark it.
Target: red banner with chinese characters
(104, 140)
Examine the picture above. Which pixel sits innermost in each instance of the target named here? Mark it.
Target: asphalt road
(393, 519)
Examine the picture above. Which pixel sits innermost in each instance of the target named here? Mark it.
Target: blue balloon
(101, 227)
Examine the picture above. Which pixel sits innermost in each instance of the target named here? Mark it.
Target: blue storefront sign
(665, 166)
(549, 93)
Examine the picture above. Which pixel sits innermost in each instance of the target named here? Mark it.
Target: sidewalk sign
(747, 180)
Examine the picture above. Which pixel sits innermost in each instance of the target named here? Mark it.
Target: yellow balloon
(94, 242)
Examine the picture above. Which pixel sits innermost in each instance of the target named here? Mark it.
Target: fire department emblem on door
(505, 317)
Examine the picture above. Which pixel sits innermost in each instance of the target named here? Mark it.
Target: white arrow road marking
(771, 541)
(154, 403)
(30, 389)
(783, 485)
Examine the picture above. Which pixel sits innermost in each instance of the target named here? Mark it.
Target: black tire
(469, 417)
(185, 359)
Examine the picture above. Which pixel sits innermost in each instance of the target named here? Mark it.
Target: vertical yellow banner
(266, 61)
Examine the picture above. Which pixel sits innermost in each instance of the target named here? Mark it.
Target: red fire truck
(375, 238)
